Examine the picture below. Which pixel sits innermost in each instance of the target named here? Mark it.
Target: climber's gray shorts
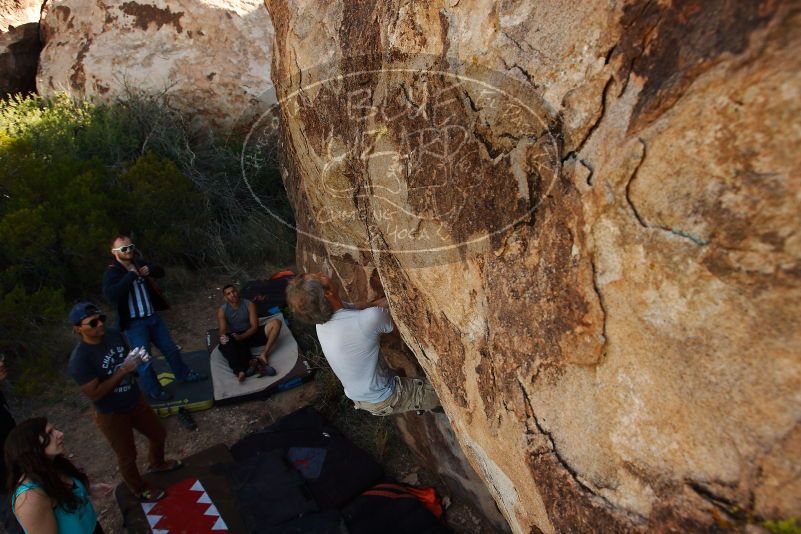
(408, 394)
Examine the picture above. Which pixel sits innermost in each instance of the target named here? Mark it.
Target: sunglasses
(94, 322)
(125, 248)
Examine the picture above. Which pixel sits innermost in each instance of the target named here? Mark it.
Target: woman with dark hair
(49, 494)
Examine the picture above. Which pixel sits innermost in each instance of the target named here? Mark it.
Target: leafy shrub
(240, 233)
(165, 207)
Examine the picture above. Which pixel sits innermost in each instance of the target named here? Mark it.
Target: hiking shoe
(186, 420)
(151, 495)
(162, 396)
(194, 376)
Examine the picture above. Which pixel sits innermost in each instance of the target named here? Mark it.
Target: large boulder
(19, 45)
(210, 57)
(14, 13)
(586, 217)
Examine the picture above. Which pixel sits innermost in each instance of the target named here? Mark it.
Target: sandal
(168, 466)
(151, 495)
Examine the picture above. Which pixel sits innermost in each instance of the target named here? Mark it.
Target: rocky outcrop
(19, 56)
(15, 13)
(211, 58)
(19, 46)
(586, 217)
(432, 440)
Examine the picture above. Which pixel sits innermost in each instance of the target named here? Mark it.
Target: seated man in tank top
(240, 331)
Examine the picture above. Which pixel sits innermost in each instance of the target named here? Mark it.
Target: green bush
(165, 207)
(74, 174)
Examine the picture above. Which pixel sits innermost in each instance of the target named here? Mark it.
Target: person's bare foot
(241, 376)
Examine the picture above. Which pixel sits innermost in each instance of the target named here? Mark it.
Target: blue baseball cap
(81, 311)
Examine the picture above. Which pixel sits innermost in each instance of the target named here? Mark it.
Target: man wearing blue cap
(128, 285)
(100, 366)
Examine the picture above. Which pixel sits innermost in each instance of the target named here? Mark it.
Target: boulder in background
(211, 58)
(19, 45)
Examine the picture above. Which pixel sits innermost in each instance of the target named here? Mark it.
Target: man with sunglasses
(128, 285)
(100, 366)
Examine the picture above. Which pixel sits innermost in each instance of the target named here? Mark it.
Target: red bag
(427, 496)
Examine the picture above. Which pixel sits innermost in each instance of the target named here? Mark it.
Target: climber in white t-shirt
(349, 336)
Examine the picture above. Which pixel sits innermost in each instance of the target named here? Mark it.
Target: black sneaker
(186, 420)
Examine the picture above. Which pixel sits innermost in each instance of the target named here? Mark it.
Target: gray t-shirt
(350, 343)
(238, 319)
(88, 362)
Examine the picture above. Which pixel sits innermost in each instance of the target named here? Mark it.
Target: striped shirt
(139, 305)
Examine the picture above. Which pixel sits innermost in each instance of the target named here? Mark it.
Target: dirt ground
(191, 316)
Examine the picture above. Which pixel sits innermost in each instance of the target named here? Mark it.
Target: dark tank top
(238, 319)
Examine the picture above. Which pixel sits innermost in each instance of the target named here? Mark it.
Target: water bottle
(145, 359)
(143, 355)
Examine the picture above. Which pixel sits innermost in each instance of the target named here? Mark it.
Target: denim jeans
(143, 332)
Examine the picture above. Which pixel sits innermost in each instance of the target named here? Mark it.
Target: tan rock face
(14, 13)
(19, 45)
(586, 216)
(211, 57)
(429, 436)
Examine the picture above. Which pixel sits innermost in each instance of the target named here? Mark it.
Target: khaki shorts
(408, 394)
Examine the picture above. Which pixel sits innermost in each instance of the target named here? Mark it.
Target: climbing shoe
(265, 370)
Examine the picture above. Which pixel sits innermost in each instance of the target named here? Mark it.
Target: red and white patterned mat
(187, 509)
